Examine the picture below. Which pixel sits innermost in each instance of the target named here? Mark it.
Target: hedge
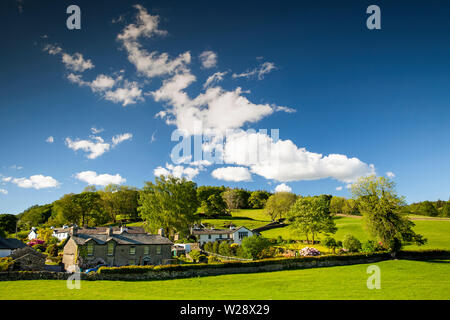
(234, 264)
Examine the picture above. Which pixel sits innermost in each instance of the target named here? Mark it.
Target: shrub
(39, 247)
(208, 247)
(239, 252)
(330, 243)
(254, 245)
(202, 258)
(224, 249)
(35, 241)
(269, 252)
(215, 247)
(351, 244)
(52, 250)
(213, 259)
(280, 239)
(371, 246)
(308, 251)
(6, 264)
(195, 255)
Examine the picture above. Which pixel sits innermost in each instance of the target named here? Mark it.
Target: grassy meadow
(400, 279)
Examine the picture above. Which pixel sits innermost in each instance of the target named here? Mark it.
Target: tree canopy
(279, 204)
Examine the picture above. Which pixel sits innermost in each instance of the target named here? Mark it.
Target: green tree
(258, 199)
(311, 216)
(330, 243)
(427, 208)
(350, 207)
(446, 209)
(234, 199)
(254, 246)
(169, 203)
(8, 222)
(84, 209)
(35, 216)
(279, 204)
(120, 200)
(224, 249)
(337, 204)
(351, 244)
(380, 206)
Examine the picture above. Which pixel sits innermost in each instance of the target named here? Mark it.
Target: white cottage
(232, 235)
(61, 233)
(33, 234)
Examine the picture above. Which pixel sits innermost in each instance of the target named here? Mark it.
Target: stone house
(121, 246)
(232, 235)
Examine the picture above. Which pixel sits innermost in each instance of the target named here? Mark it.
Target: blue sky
(351, 97)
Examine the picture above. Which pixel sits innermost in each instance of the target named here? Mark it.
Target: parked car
(95, 269)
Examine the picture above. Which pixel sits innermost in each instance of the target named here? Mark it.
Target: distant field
(400, 279)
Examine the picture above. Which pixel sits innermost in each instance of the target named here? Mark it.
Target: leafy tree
(2, 234)
(311, 216)
(169, 203)
(446, 210)
(120, 200)
(279, 204)
(45, 234)
(380, 207)
(253, 246)
(208, 247)
(195, 255)
(350, 207)
(337, 204)
(351, 243)
(84, 209)
(427, 208)
(234, 199)
(214, 205)
(224, 249)
(8, 222)
(35, 216)
(258, 199)
(330, 243)
(215, 247)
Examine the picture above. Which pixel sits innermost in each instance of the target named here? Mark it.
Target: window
(242, 235)
(131, 262)
(132, 250)
(220, 236)
(110, 249)
(146, 250)
(209, 236)
(90, 249)
(158, 249)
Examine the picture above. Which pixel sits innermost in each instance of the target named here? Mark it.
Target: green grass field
(400, 279)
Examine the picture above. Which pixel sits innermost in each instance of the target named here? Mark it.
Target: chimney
(161, 232)
(73, 231)
(109, 231)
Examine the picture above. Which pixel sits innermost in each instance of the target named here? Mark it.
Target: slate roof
(214, 231)
(11, 243)
(116, 230)
(123, 238)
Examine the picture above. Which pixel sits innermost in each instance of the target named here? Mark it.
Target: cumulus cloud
(178, 171)
(92, 178)
(130, 93)
(50, 139)
(96, 146)
(283, 188)
(215, 109)
(339, 188)
(94, 130)
(4, 191)
(283, 161)
(208, 59)
(236, 174)
(36, 182)
(75, 62)
(259, 71)
(390, 174)
(149, 64)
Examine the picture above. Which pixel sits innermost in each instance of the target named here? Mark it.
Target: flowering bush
(308, 251)
(35, 241)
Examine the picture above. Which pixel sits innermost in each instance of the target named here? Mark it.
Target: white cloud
(94, 130)
(153, 138)
(76, 62)
(213, 79)
(130, 93)
(94, 148)
(36, 182)
(283, 161)
(149, 64)
(121, 138)
(50, 139)
(92, 178)
(4, 191)
(208, 59)
(259, 71)
(176, 171)
(339, 188)
(283, 188)
(232, 174)
(390, 174)
(7, 179)
(215, 109)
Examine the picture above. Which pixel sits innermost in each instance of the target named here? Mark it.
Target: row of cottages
(25, 257)
(118, 246)
(232, 235)
(60, 233)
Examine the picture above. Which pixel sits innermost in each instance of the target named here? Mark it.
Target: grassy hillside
(399, 280)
